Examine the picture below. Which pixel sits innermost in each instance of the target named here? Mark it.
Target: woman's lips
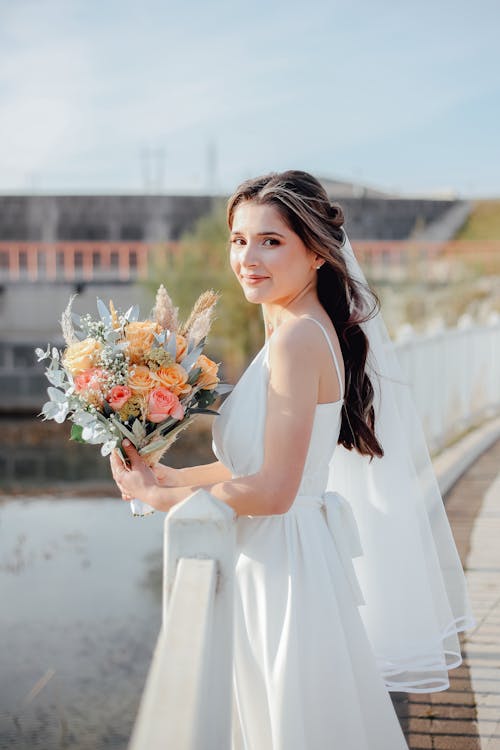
(255, 280)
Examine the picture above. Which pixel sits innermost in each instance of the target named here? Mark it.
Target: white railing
(187, 702)
(187, 698)
(455, 376)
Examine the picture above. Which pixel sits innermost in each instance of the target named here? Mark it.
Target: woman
(309, 673)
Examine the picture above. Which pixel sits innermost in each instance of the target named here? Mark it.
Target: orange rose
(162, 403)
(81, 356)
(140, 379)
(140, 337)
(207, 378)
(118, 396)
(174, 377)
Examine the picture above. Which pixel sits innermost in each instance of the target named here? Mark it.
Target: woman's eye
(269, 239)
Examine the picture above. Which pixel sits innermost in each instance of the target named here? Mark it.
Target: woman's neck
(275, 314)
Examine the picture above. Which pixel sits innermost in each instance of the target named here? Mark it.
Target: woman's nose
(248, 256)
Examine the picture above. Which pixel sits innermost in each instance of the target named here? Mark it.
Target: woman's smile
(252, 280)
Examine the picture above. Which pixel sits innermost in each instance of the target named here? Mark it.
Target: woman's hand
(136, 481)
(166, 476)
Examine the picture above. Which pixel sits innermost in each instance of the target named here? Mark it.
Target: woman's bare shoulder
(299, 334)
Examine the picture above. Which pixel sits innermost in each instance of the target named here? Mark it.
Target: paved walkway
(467, 715)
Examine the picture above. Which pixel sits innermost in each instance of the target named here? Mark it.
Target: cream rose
(81, 356)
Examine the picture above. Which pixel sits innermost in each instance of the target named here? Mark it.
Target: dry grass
(483, 223)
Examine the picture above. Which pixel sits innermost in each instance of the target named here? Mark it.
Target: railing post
(187, 702)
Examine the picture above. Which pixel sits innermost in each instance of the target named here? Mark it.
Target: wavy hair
(305, 207)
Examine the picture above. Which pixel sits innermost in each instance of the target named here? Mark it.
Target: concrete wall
(31, 312)
(48, 218)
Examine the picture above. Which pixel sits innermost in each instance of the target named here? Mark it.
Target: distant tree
(201, 261)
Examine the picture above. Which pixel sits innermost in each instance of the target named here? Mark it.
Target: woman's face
(263, 247)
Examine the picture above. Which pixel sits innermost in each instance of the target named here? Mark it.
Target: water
(80, 611)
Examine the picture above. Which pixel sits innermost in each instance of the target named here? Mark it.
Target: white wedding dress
(304, 673)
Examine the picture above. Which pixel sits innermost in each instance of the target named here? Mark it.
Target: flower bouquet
(145, 380)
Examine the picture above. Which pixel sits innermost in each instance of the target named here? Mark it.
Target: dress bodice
(238, 430)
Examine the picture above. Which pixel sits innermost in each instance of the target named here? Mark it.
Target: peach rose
(182, 345)
(140, 337)
(207, 378)
(174, 377)
(140, 379)
(81, 356)
(163, 403)
(90, 384)
(118, 396)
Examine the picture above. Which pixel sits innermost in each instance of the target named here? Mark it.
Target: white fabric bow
(343, 527)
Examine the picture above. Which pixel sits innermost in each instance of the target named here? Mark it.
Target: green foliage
(76, 433)
(200, 262)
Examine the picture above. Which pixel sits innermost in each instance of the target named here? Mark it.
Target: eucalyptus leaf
(56, 377)
(41, 354)
(191, 358)
(132, 314)
(112, 336)
(128, 433)
(192, 343)
(160, 337)
(56, 395)
(62, 413)
(104, 312)
(171, 345)
(151, 447)
(82, 418)
(138, 429)
(50, 409)
(107, 447)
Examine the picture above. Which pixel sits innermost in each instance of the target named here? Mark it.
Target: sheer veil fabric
(410, 574)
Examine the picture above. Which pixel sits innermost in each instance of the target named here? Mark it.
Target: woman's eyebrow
(261, 234)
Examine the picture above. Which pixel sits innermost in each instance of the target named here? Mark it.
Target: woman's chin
(253, 295)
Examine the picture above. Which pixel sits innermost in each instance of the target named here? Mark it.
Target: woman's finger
(115, 468)
(132, 453)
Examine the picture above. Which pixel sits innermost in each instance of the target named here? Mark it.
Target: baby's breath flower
(115, 362)
(94, 329)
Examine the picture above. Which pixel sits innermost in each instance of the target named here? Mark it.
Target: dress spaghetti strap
(333, 354)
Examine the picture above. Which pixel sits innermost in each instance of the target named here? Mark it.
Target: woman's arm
(193, 476)
(291, 402)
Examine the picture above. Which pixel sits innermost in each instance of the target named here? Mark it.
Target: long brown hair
(305, 207)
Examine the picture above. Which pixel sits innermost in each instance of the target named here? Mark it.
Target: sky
(196, 96)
